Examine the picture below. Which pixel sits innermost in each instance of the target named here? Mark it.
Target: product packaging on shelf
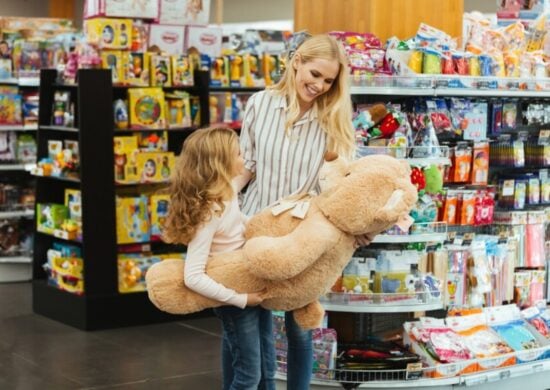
(195, 12)
(132, 220)
(168, 38)
(207, 40)
(138, 9)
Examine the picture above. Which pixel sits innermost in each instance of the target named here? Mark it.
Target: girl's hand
(364, 240)
(255, 298)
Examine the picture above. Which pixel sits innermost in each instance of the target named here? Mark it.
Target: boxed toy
(182, 71)
(8, 145)
(50, 217)
(138, 9)
(137, 69)
(178, 109)
(108, 33)
(113, 60)
(161, 73)
(125, 149)
(146, 108)
(65, 272)
(152, 141)
(207, 40)
(168, 38)
(132, 220)
(183, 12)
(10, 106)
(159, 210)
(131, 271)
(155, 167)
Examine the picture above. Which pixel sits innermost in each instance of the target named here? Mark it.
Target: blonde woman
(286, 131)
(205, 215)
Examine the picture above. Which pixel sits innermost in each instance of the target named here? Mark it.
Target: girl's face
(238, 161)
(314, 78)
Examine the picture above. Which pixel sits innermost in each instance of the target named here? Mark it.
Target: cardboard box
(137, 9)
(207, 40)
(169, 38)
(109, 33)
(196, 12)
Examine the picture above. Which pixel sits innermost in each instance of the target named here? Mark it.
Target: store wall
(28, 8)
(238, 11)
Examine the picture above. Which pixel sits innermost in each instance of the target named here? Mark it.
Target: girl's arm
(196, 278)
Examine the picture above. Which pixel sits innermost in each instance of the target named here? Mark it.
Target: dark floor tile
(208, 324)
(15, 299)
(17, 372)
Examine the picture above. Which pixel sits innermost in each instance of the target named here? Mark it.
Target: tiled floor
(38, 353)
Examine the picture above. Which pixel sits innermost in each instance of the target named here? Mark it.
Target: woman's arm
(196, 278)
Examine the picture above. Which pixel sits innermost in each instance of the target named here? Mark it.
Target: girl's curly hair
(200, 182)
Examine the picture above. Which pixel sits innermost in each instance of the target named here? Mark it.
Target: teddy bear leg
(309, 316)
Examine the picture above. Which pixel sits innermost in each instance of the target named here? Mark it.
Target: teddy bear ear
(330, 156)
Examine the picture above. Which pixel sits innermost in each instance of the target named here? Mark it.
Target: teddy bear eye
(347, 174)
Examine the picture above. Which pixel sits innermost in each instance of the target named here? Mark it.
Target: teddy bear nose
(331, 156)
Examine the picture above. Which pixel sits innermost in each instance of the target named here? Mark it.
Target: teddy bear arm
(310, 316)
(279, 258)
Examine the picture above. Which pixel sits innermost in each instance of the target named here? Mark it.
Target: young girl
(205, 215)
(285, 133)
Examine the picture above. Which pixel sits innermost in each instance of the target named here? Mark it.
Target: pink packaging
(534, 246)
(183, 12)
(207, 40)
(168, 38)
(138, 9)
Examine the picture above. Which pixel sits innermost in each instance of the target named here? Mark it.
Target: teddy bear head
(365, 196)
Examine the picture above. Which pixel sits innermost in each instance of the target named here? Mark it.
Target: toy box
(146, 108)
(168, 38)
(182, 71)
(138, 9)
(152, 141)
(159, 210)
(196, 12)
(10, 106)
(64, 272)
(50, 217)
(125, 149)
(8, 145)
(132, 220)
(137, 68)
(178, 110)
(155, 167)
(108, 33)
(113, 60)
(219, 72)
(160, 72)
(207, 40)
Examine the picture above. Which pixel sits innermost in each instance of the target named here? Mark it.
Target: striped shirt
(284, 163)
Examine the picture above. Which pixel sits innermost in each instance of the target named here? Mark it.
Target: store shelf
(59, 178)
(12, 128)
(167, 129)
(518, 370)
(236, 89)
(21, 81)
(392, 91)
(371, 308)
(409, 238)
(429, 161)
(15, 260)
(122, 185)
(52, 236)
(489, 92)
(16, 214)
(17, 167)
(60, 128)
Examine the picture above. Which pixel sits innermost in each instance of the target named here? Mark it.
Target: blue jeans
(300, 355)
(248, 351)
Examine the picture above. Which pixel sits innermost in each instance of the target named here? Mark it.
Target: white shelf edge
(409, 238)
(359, 90)
(15, 259)
(515, 371)
(370, 308)
(16, 214)
(429, 160)
(489, 92)
(12, 128)
(12, 167)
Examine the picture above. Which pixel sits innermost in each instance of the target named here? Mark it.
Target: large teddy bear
(297, 260)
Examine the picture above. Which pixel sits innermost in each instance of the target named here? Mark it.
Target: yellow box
(155, 167)
(113, 60)
(159, 210)
(126, 149)
(109, 33)
(132, 220)
(147, 108)
(161, 74)
(137, 69)
(182, 71)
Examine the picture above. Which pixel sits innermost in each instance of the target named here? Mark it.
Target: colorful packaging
(159, 211)
(480, 164)
(132, 220)
(108, 33)
(182, 71)
(146, 108)
(168, 38)
(155, 167)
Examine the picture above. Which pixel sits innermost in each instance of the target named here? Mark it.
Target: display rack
(101, 305)
(17, 266)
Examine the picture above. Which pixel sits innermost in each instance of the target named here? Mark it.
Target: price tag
(544, 137)
(508, 187)
(414, 371)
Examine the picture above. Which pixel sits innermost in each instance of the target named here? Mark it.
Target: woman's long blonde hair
(200, 182)
(334, 106)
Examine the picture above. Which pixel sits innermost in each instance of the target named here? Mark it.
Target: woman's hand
(364, 240)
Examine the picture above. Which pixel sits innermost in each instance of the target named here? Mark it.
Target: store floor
(38, 353)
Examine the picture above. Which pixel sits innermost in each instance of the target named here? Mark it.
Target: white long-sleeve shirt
(221, 234)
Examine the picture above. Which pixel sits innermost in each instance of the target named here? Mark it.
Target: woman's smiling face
(314, 78)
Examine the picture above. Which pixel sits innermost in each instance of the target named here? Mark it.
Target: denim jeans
(248, 351)
(300, 355)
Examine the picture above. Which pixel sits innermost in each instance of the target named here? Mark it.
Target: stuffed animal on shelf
(298, 259)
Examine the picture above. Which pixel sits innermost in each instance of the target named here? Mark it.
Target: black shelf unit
(101, 306)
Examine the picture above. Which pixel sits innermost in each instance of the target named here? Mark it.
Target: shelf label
(508, 188)
(414, 371)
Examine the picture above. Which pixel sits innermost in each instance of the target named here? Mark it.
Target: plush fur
(298, 260)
